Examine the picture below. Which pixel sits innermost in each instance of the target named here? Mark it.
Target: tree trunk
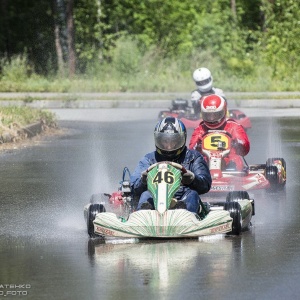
(58, 47)
(233, 7)
(70, 31)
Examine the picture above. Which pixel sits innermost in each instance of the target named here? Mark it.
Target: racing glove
(187, 178)
(144, 177)
(238, 145)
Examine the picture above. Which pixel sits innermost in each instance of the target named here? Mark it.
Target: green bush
(131, 69)
(14, 70)
(23, 116)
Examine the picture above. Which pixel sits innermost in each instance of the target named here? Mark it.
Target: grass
(14, 117)
(158, 83)
(147, 73)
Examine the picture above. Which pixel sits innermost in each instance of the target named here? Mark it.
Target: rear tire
(271, 162)
(237, 195)
(234, 209)
(272, 177)
(93, 210)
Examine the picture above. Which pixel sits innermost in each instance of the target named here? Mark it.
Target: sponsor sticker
(104, 231)
(220, 228)
(222, 188)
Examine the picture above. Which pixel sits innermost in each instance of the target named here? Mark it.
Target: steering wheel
(176, 165)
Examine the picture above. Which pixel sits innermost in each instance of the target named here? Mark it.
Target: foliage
(15, 70)
(150, 44)
(88, 31)
(281, 37)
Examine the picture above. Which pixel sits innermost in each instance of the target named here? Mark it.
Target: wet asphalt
(45, 252)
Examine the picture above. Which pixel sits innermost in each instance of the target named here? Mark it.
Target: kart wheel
(93, 210)
(272, 177)
(234, 209)
(271, 161)
(281, 179)
(100, 198)
(237, 195)
(240, 195)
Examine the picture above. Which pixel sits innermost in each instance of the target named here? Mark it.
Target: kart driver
(170, 142)
(204, 83)
(213, 109)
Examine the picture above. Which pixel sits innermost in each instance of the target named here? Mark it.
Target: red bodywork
(216, 146)
(240, 118)
(192, 121)
(116, 199)
(239, 181)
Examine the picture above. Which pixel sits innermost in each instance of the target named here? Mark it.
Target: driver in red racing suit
(213, 109)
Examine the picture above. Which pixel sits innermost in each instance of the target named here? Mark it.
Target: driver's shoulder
(150, 158)
(232, 121)
(191, 155)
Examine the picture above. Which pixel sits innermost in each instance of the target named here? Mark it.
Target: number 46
(168, 177)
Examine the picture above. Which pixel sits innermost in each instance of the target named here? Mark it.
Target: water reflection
(163, 265)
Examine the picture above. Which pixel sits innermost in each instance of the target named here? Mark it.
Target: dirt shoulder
(25, 141)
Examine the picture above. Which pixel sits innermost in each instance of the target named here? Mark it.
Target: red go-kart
(181, 110)
(271, 176)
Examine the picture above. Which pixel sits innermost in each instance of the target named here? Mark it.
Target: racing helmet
(170, 137)
(213, 109)
(203, 79)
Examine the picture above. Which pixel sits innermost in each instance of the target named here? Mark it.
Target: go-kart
(216, 145)
(230, 216)
(121, 201)
(181, 110)
(240, 118)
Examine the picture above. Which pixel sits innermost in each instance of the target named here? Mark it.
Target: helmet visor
(212, 117)
(169, 141)
(203, 82)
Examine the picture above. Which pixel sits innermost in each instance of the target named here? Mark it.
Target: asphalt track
(45, 251)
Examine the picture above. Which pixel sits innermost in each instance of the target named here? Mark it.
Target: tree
(281, 36)
(58, 47)
(70, 38)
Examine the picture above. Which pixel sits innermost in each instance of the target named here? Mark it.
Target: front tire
(234, 209)
(93, 210)
(237, 195)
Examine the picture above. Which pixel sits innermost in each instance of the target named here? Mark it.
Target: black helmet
(170, 137)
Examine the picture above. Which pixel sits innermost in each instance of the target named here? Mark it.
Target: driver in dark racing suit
(170, 141)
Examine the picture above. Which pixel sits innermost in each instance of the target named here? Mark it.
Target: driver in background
(170, 142)
(213, 109)
(204, 82)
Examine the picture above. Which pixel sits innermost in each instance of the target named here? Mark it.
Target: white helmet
(203, 79)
